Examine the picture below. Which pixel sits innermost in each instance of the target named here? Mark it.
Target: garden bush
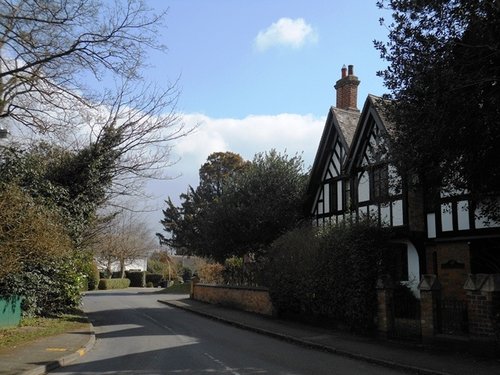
(105, 284)
(154, 278)
(137, 278)
(211, 273)
(292, 275)
(48, 288)
(330, 272)
(233, 273)
(92, 275)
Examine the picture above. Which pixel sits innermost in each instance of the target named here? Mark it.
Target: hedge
(105, 284)
(154, 278)
(137, 278)
(48, 288)
(330, 273)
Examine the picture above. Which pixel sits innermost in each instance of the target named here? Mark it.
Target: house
(352, 177)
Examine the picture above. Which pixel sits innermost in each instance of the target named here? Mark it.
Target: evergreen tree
(443, 74)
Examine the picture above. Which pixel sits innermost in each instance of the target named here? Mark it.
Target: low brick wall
(255, 300)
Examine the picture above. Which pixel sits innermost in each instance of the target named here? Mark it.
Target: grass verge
(176, 289)
(32, 329)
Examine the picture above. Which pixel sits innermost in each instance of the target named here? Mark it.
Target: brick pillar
(430, 294)
(385, 308)
(194, 280)
(483, 306)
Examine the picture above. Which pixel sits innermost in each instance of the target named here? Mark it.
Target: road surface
(135, 334)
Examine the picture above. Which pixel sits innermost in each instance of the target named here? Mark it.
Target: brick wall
(483, 305)
(479, 310)
(255, 300)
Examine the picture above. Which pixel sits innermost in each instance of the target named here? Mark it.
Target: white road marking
(222, 364)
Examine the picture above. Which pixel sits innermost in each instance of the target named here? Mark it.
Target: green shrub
(154, 278)
(106, 284)
(149, 284)
(293, 277)
(330, 273)
(92, 275)
(233, 271)
(30, 233)
(48, 289)
(137, 278)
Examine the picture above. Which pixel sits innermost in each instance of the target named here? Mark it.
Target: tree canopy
(257, 203)
(443, 77)
(75, 183)
(187, 226)
(217, 169)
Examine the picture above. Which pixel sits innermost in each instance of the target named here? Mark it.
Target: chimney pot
(351, 70)
(344, 71)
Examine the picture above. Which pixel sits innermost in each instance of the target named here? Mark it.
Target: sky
(256, 75)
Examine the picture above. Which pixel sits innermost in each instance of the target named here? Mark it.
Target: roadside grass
(32, 329)
(176, 289)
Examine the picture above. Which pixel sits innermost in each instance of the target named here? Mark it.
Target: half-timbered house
(352, 177)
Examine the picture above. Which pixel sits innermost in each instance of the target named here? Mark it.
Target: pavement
(47, 354)
(44, 355)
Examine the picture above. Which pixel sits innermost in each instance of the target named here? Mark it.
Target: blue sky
(256, 75)
(212, 48)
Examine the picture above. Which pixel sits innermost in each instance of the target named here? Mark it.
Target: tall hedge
(330, 273)
(37, 260)
(137, 278)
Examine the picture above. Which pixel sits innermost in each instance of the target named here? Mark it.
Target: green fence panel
(10, 311)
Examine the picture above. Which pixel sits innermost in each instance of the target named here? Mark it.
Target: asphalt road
(135, 334)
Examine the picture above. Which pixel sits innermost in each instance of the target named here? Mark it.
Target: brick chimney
(347, 89)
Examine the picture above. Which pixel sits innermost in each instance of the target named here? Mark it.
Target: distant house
(352, 177)
(138, 264)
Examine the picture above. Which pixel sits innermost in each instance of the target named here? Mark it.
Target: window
(394, 181)
(431, 225)
(397, 213)
(463, 215)
(380, 188)
(326, 198)
(347, 193)
(364, 187)
(340, 205)
(446, 217)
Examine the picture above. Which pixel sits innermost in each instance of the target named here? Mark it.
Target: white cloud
(248, 136)
(286, 32)
(252, 134)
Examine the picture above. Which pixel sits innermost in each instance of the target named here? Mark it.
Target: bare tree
(123, 241)
(144, 125)
(50, 50)
(52, 54)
